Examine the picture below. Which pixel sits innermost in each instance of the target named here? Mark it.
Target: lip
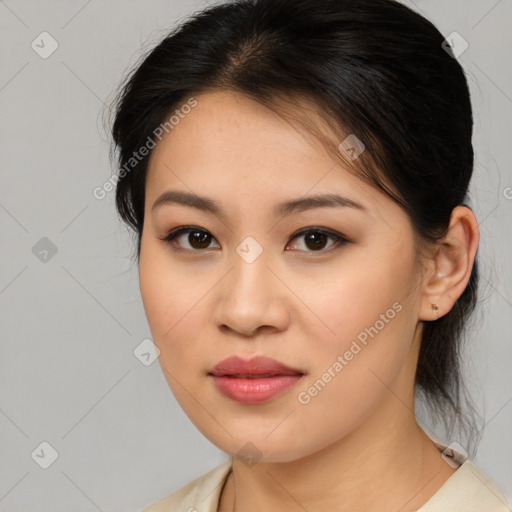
(259, 365)
(253, 381)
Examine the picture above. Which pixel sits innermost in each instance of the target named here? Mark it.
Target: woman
(296, 173)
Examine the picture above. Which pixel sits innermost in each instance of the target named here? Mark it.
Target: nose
(251, 298)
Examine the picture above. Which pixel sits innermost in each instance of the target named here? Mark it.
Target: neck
(390, 451)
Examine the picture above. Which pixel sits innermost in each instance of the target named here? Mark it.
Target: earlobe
(452, 263)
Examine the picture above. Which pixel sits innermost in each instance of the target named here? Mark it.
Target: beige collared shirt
(467, 490)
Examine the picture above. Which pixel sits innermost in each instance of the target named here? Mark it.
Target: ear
(451, 265)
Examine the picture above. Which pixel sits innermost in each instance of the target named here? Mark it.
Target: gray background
(69, 325)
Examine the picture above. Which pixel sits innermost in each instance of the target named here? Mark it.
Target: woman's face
(249, 284)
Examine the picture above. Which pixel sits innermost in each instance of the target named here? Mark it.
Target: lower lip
(254, 391)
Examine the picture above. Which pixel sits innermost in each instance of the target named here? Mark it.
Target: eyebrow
(282, 209)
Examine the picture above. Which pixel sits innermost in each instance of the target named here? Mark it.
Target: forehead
(229, 145)
(225, 125)
(235, 134)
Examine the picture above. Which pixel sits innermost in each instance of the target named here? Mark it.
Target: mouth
(256, 368)
(253, 381)
(254, 389)
(254, 375)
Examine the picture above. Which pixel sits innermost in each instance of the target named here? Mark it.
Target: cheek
(155, 286)
(356, 374)
(345, 301)
(363, 328)
(174, 309)
(165, 288)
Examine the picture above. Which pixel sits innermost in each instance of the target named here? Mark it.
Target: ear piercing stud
(435, 308)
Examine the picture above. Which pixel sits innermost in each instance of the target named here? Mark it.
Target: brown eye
(315, 240)
(198, 239)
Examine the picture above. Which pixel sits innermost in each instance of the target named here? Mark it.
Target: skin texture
(358, 438)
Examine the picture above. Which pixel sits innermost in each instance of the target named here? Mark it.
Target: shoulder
(467, 490)
(199, 495)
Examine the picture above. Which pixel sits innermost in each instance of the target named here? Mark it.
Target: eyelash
(339, 239)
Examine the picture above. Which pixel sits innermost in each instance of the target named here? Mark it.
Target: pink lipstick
(253, 381)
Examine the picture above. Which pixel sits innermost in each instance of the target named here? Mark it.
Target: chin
(252, 449)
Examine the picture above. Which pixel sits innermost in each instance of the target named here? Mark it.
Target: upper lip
(259, 365)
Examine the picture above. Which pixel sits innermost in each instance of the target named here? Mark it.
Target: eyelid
(180, 230)
(339, 238)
